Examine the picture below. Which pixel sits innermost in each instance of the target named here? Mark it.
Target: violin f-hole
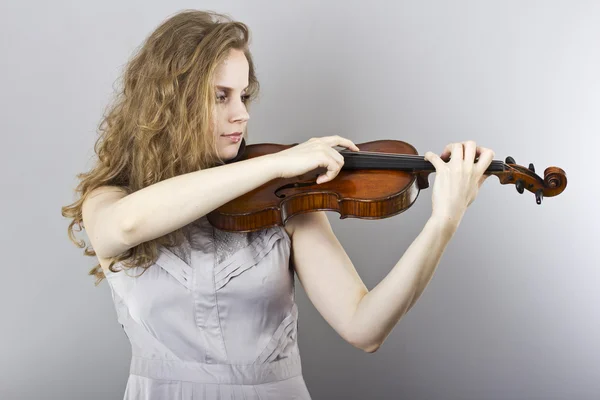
(294, 185)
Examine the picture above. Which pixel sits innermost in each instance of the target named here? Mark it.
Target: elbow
(124, 224)
(371, 348)
(121, 238)
(368, 346)
(127, 233)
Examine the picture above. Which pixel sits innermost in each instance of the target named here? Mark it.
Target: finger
(335, 155)
(457, 152)
(485, 159)
(350, 145)
(347, 143)
(478, 152)
(332, 171)
(470, 151)
(446, 153)
(434, 159)
(337, 140)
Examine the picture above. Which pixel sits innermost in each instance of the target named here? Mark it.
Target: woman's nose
(239, 113)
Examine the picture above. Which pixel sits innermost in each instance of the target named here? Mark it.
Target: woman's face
(231, 80)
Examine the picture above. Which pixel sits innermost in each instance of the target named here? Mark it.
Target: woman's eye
(222, 97)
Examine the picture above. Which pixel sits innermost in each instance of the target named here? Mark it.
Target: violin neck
(398, 162)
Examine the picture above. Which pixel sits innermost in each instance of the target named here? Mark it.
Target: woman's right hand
(312, 154)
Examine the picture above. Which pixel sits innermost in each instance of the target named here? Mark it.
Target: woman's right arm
(115, 221)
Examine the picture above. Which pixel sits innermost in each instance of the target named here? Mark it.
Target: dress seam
(216, 299)
(256, 391)
(220, 384)
(210, 364)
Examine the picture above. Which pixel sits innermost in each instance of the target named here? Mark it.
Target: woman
(211, 313)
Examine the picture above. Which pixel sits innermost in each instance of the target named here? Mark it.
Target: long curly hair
(160, 124)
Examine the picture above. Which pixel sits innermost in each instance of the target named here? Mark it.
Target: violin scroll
(553, 183)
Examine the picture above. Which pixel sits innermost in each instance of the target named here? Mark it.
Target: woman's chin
(229, 152)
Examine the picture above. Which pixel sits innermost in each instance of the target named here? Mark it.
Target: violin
(381, 180)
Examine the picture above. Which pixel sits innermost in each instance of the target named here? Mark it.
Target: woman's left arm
(363, 318)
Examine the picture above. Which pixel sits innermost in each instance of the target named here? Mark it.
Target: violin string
(498, 167)
(380, 154)
(392, 155)
(368, 154)
(410, 167)
(373, 158)
(410, 162)
(398, 157)
(511, 168)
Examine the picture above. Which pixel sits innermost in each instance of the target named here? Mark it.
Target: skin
(231, 80)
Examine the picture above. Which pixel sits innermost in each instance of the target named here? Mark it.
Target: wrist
(446, 222)
(270, 163)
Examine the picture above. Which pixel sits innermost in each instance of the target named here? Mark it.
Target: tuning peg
(520, 185)
(539, 195)
(531, 167)
(510, 160)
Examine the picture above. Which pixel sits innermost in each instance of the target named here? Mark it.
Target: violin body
(382, 180)
(359, 193)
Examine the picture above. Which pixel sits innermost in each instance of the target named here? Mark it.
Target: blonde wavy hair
(160, 124)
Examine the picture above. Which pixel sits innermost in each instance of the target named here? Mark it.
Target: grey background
(513, 309)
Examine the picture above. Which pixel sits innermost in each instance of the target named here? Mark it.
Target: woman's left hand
(460, 172)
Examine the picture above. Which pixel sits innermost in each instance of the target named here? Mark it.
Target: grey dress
(213, 319)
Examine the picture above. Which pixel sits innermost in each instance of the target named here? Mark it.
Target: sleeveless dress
(215, 318)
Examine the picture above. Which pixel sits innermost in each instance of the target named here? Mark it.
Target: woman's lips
(234, 137)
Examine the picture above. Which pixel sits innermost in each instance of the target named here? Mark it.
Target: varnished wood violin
(383, 179)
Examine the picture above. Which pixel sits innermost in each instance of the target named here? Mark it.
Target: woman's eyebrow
(225, 88)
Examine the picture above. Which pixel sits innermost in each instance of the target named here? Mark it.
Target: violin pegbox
(553, 183)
